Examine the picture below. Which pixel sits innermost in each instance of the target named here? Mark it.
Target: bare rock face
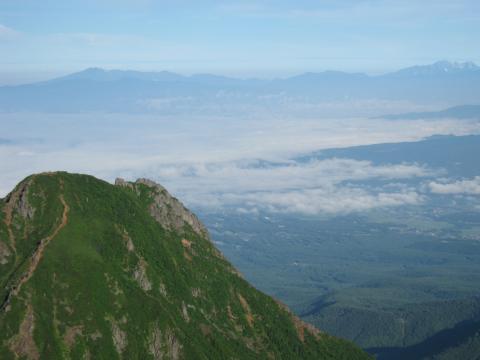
(4, 253)
(24, 207)
(122, 182)
(140, 275)
(164, 345)
(119, 336)
(168, 210)
(19, 200)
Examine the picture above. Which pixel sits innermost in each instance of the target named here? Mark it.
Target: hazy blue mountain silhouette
(458, 112)
(96, 89)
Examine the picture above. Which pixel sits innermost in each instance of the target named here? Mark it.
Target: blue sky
(242, 38)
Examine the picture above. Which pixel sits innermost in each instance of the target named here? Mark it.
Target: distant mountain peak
(439, 68)
(100, 74)
(93, 70)
(449, 65)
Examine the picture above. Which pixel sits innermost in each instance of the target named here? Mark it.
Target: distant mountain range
(457, 112)
(96, 89)
(440, 68)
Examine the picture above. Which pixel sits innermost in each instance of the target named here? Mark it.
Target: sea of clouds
(464, 186)
(244, 164)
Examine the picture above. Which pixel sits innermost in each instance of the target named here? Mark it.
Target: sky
(262, 38)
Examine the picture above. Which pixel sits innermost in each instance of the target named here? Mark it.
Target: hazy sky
(262, 37)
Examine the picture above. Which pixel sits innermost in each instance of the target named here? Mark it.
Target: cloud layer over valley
(466, 186)
(240, 164)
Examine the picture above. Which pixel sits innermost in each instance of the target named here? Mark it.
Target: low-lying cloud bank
(328, 200)
(223, 163)
(328, 186)
(467, 187)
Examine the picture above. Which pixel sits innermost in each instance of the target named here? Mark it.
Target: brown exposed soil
(23, 344)
(186, 244)
(71, 334)
(188, 251)
(246, 308)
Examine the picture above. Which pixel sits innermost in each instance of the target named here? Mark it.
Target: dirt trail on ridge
(37, 255)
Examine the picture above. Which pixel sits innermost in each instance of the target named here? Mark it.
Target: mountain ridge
(439, 67)
(459, 112)
(94, 270)
(98, 90)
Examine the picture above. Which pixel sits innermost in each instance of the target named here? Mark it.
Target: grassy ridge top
(92, 270)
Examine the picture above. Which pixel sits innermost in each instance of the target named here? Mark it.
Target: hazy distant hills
(452, 153)
(457, 112)
(132, 91)
(434, 330)
(436, 69)
(101, 75)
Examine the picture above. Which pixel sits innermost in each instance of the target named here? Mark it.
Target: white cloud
(471, 187)
(310, 188)
(212, 160)
(327, 200)
(252, 176)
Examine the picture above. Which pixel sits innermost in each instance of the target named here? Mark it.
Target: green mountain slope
(89, 270)
(460, 342)
(398, 327)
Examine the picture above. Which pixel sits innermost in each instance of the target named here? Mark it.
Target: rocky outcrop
(166, 209)
(23, 206)
(140, 275)
(71, 334)
(164, 345)
(119, 336)
(18, 201)
(4, 253)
